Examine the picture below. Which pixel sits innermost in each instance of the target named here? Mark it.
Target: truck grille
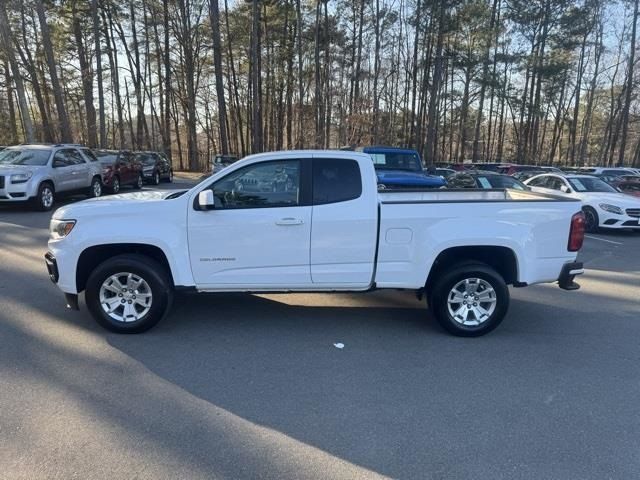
(633, 212)
(1, 181)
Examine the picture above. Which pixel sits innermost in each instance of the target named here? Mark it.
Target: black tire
(45, 198)
(170, 177)
(115, 186)
(139, 182)
(591, 219)
(142, 266)
(95, 189)
(443, 286)
(156, 178)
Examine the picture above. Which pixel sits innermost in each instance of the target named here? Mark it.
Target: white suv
(37, 173)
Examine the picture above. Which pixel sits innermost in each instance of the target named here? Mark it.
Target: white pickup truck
(312, 221)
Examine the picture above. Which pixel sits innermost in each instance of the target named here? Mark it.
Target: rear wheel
(170, 177)
(128, 293)
(45, 198)
(591, 219)
(95, 190)
(156, 178)
(469, 300)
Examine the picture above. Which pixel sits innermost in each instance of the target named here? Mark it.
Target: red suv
(119, 168)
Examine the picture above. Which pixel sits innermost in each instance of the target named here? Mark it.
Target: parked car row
(39, 173)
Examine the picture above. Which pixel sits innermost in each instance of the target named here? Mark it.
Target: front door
(258, 235)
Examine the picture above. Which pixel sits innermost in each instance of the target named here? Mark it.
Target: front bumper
(613, 220)
(52, 267)
(568, 274)
(13, 192)
(54, 275)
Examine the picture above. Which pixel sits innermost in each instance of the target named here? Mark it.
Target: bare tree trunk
(300, 142)
(431, 140)
(102, 139)
(629, 83)
(576, 108)
(243, 150)
(6, 35)
(115, 77)
(586, 128)
(65, 127)
(376, 71)
(13, 123)
(256, 90)
(414, 75)
(29, 63)
(87, 81)
(483, 82)
(214, 14)
(317, 98)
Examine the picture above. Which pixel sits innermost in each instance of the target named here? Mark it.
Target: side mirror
(206, 200)
(58, 163)
(565, 189)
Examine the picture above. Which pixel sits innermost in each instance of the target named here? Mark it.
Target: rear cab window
(335, 180)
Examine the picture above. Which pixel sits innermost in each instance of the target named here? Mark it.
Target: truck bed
(415, 226)
(464, 195)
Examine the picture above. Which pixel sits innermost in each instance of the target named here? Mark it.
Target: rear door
(62, 171)
(344, 224)
(82, 172)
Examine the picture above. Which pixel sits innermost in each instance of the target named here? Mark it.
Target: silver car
(38, 173)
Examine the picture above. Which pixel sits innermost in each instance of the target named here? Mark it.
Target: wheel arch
(500, 258)
(93, 256)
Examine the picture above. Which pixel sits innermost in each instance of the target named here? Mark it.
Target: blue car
(398, 168)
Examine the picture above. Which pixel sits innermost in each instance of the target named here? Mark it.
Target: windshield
(25, 156)
(397, 161)
(500, 181)
(586, 184)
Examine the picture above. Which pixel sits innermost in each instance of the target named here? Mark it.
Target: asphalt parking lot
(252, 386)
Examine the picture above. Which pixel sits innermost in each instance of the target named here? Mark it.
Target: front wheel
(95, 190)
(115, 188)
(156, 178)
(170, 177)
(139, 182)
(470, 300)
(128, 293)
(591, 220)
(45, 198)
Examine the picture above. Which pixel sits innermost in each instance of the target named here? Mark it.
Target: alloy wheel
(46, 197)
(471, 302)
(125, 297)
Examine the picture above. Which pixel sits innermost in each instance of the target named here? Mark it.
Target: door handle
(289, 221)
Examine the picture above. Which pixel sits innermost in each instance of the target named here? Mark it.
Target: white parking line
(604, 240)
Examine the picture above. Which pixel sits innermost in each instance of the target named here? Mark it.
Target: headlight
(20, 177)
(611, 208)
(61, 228)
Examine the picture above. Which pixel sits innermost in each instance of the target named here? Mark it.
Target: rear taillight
(576, 234)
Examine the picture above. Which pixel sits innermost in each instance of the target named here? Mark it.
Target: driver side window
(269, 184)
